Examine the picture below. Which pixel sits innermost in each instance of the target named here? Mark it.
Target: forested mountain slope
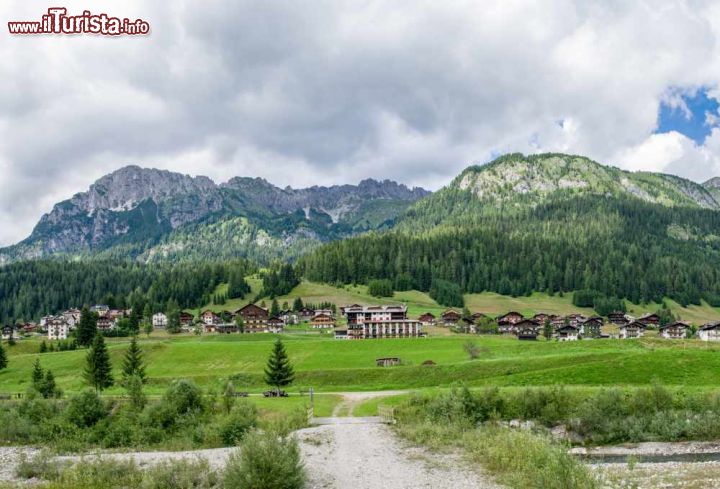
(545, 223)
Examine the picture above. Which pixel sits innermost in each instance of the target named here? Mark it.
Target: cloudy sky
(323, 92)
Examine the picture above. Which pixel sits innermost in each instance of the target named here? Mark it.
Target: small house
(275, 324)
(105, 323)
(709, 332)
(617, 318)
(341, 334)
(387, 362)
(322, 321)
(511, 317)
(478, 316)
(427, 319)
(209, 317)
(306, 314)
(186, 319)
(652, 320)
(675, 331)
(591, 327)
(527, 329)
(541, 317)
(634, 329)
(574, 319)
(450, 317)
(568, 333)
(159, 320)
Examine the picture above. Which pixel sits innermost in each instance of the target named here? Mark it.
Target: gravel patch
(369, 456)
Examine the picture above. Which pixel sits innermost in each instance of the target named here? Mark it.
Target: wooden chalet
(427, 319)
(675, 331)
(709, 332)
(254, 317)
(650, 319)
(527, 329)
(450, 317)
(275, 324)
(575, 319)
(322, 321)
(186, 318)
(591, 327)
(634, 329)
(541, 317)
(8, 331)
(306, 314)
(477, 316)
(511, 317)
(617, 318)
(568, 333)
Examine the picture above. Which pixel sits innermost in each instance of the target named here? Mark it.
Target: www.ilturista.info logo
(58, 22)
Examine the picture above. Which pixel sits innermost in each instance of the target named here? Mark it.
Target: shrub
(184, 397)
(240, 420)
(266, 461)
(86, 409)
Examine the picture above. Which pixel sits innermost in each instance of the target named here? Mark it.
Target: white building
(57, 328)
(634, 329)
(159, 320)
(709, 332)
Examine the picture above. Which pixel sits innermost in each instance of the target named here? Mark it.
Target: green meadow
(330, 365)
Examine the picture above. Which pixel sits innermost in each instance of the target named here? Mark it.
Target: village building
(652, 320)
(100, 309)
(288, 317)
(8, 331)
(634, 329)
(510, 318)
(275, 325)
(322, 321)
(343, 308)
(306, 314)
(617, 318)
(675, 331)
(574, 319)
(254, 317)
(57, 328)
(381, 322)
(387, 362)
(223, 328)
(29, 328)
(568, 333)
(541, 317)
(159, 320)
(186, 318)
(709, 332)
(341, 334)
(527, 329)
(450, 317)
(427, 319)
(591, 327)
(44, 321)
(477, 316)
(72, 317)
(105, 323)
(209, 317)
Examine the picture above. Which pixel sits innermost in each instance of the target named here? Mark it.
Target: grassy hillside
(486, 302)
(332, 365)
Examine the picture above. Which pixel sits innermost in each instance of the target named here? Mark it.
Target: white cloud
(346, 90)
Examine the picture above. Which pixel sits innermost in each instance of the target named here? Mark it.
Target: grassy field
(331, 365)
(487, 302)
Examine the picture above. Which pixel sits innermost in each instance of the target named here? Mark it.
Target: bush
(238, 423)
(266, 461)
(184, 397)
(86, 409)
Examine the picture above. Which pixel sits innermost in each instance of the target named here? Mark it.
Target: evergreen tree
(37, 375)
(240, 323)
(43, 347)
(173, 317)
(3, 358)
(298, 304)
(147, 327)
(134, 387)
(133, 364)
(98, 370)
(274, 308)
(87, 328)
(279, 371)
(547, 330)
(49, 387)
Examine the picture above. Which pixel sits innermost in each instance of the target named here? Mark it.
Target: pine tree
(43, 347)
(279, 371)
(274, 308)
(37, 375)
(133, 363)
(298, 304)
(49, 388)
(3, 358)
(87, 327)
(98, 370)
(133, 385)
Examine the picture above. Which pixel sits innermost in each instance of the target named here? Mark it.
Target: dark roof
(675, 325)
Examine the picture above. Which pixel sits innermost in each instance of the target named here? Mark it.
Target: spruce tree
(274, 308)
(133, 364)
(87, 327)
(298, 304)
(3, 358)
(279, 371)
(49, 388)
(37, 375)
(98, 370)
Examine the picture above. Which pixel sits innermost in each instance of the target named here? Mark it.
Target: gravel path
(369, 456)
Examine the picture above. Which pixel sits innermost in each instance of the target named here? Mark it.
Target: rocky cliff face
(137, 205)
